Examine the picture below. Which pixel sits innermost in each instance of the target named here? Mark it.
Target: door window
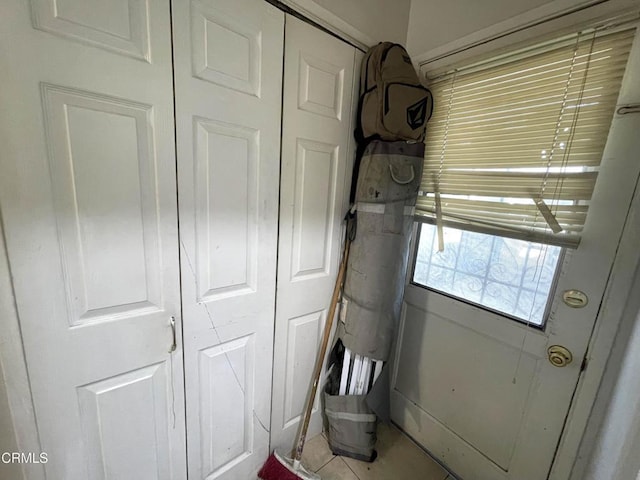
(512, 277)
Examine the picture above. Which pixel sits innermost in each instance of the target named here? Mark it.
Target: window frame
(551, 297)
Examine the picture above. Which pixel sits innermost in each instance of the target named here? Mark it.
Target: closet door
(88, 199)
(320, 92)
(228, 71)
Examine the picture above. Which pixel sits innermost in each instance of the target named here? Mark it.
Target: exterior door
(317, 159)
(479, 390)
(88, 199)
(228, 74)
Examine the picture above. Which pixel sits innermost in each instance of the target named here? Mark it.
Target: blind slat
(516, 130)
(544, 77)
(614, 44)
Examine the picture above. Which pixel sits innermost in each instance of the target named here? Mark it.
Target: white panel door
(88, 199)
(477, 389)
(228, 73)
(319, 96)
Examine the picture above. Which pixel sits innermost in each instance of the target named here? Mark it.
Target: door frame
(313, 13)
(595, 383)
(14, 368)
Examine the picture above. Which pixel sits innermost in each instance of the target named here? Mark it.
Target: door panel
(487, 401)
(121, 26)
(227, 233)
(317, 152)
(467, 406)
(116, 432)
(227, 399)
(228, 73)
(105, 203)
(87, 192)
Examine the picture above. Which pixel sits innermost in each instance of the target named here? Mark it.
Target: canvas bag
(394, 105)
(349, 420)
(386, 193)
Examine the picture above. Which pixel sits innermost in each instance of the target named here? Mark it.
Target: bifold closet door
(228, 77)
(320, 92)
(88, 199)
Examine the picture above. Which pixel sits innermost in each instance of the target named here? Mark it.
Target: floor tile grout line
(333, 457)
(423, 453)
(352, 471)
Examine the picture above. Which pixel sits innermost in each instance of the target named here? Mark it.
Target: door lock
(559, 356)
(575, 298)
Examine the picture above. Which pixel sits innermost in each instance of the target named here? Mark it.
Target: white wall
(615, 456)
(434, 23)
(364, 22)
(382, 20)
(438, 28)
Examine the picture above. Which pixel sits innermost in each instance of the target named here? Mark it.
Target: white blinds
(514, 146)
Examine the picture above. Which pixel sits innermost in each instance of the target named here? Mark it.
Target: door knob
(559, 356)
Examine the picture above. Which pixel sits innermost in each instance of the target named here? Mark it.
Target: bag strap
(388, 49)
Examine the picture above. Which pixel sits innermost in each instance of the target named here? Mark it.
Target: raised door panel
(124, 424)
(87, 188)
(226, 209)
(484, 369)
(318, 107)
(228, 60)
(321, 86)
(226, 50)
(314, 208)
(121, 26)
(303, 336)
(103, 167)
(227, 402)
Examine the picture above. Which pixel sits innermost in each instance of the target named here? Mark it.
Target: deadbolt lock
(575, 298)
(559, 356)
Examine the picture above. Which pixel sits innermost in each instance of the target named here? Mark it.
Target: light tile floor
(398, 459)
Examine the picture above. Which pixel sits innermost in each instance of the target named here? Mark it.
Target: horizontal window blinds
(514, 146)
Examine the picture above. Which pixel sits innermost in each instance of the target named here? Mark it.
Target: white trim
(331, 22)
(596, 383)
(14, 368)
(545, 22)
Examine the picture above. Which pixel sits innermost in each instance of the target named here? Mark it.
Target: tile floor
(398, 459)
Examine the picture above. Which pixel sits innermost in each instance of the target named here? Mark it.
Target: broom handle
(321, 353)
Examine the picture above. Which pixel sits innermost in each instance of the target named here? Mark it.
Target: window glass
(513, 277)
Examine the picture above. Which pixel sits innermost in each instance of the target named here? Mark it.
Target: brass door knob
(559, 356)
